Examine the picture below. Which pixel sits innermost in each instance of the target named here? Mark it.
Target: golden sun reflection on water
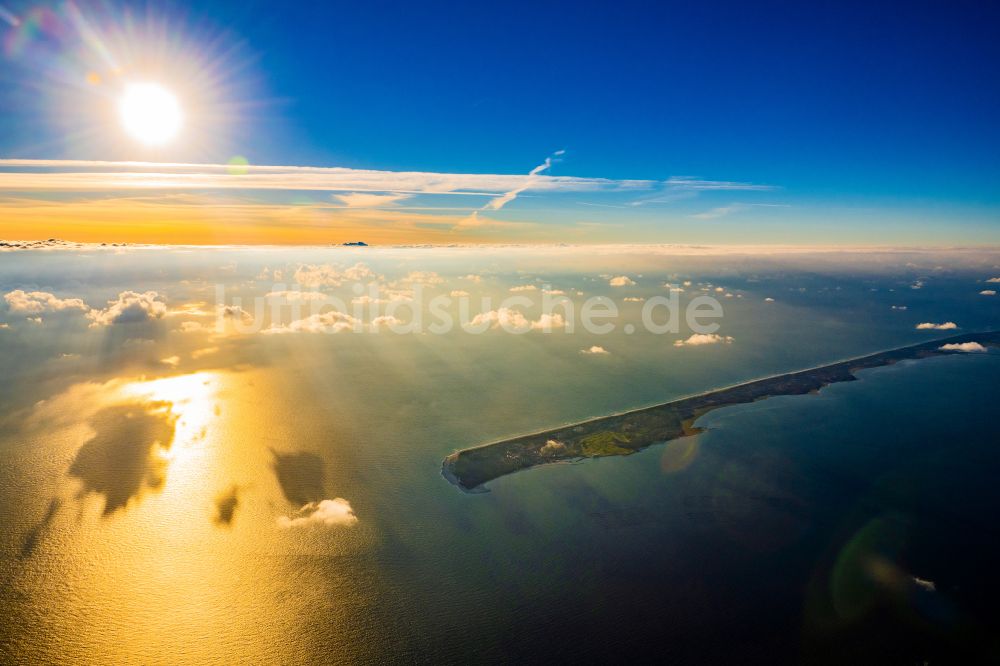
(161, 537)
(191, 400)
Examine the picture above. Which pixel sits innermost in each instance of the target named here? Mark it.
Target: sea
(191, 475)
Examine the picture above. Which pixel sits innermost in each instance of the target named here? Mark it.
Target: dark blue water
(859, 524)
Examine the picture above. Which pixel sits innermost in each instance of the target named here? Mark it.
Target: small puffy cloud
(967, 347)
(325, 322)
(235, 312)
(698, 339)
(554, 292)
(515, 320)
(384, 296)
(325, 513)
(369, 200)
(130, 307)
(899, 307)
(325, 275)
(548, 321)
(988, 292)
(472, 278)
(524, 287)
(594, 349)
(496, 317)
(360, 272)
(4, 326)
(297, 295)
(172, 361)
(634, 299)
(917, 284)
(769, 300)
(386, 320)
(994, 280)
(552, 448)
(428, 278)
(205, 351)
(931, 326)
(458, 293)
(37, 302)
(621, 281)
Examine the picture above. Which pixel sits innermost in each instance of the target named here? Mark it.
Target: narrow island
(626, 433)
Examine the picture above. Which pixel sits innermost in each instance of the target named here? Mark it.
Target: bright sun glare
(150, 113)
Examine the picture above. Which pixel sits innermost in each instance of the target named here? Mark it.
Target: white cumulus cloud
(235, 312)
(621, 281)
(514, 320)
(37, 302)
(325, 275)
(130, 307)
(931, 326)
(325, 513)
(595, 349)
(325, 322)
(967, 347)
(698, 339)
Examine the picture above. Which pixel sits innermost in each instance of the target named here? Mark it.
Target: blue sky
(878, 122)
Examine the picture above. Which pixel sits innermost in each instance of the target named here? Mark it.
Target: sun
(150, 113)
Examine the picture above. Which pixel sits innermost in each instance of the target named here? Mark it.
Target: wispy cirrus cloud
(723, 211)
(266, 203)
(369, 199)
(499, 202)
(701, 185)
(679, 188)
(25, 175)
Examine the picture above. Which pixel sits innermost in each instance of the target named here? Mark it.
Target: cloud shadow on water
(225, 506)
(36, 532)
(300, 475)
(124, 457)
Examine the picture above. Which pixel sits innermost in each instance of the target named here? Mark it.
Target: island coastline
(627, 432)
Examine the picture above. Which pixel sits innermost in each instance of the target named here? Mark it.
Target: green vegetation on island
(626, 433)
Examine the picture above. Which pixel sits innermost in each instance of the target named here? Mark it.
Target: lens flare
(150, 113)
